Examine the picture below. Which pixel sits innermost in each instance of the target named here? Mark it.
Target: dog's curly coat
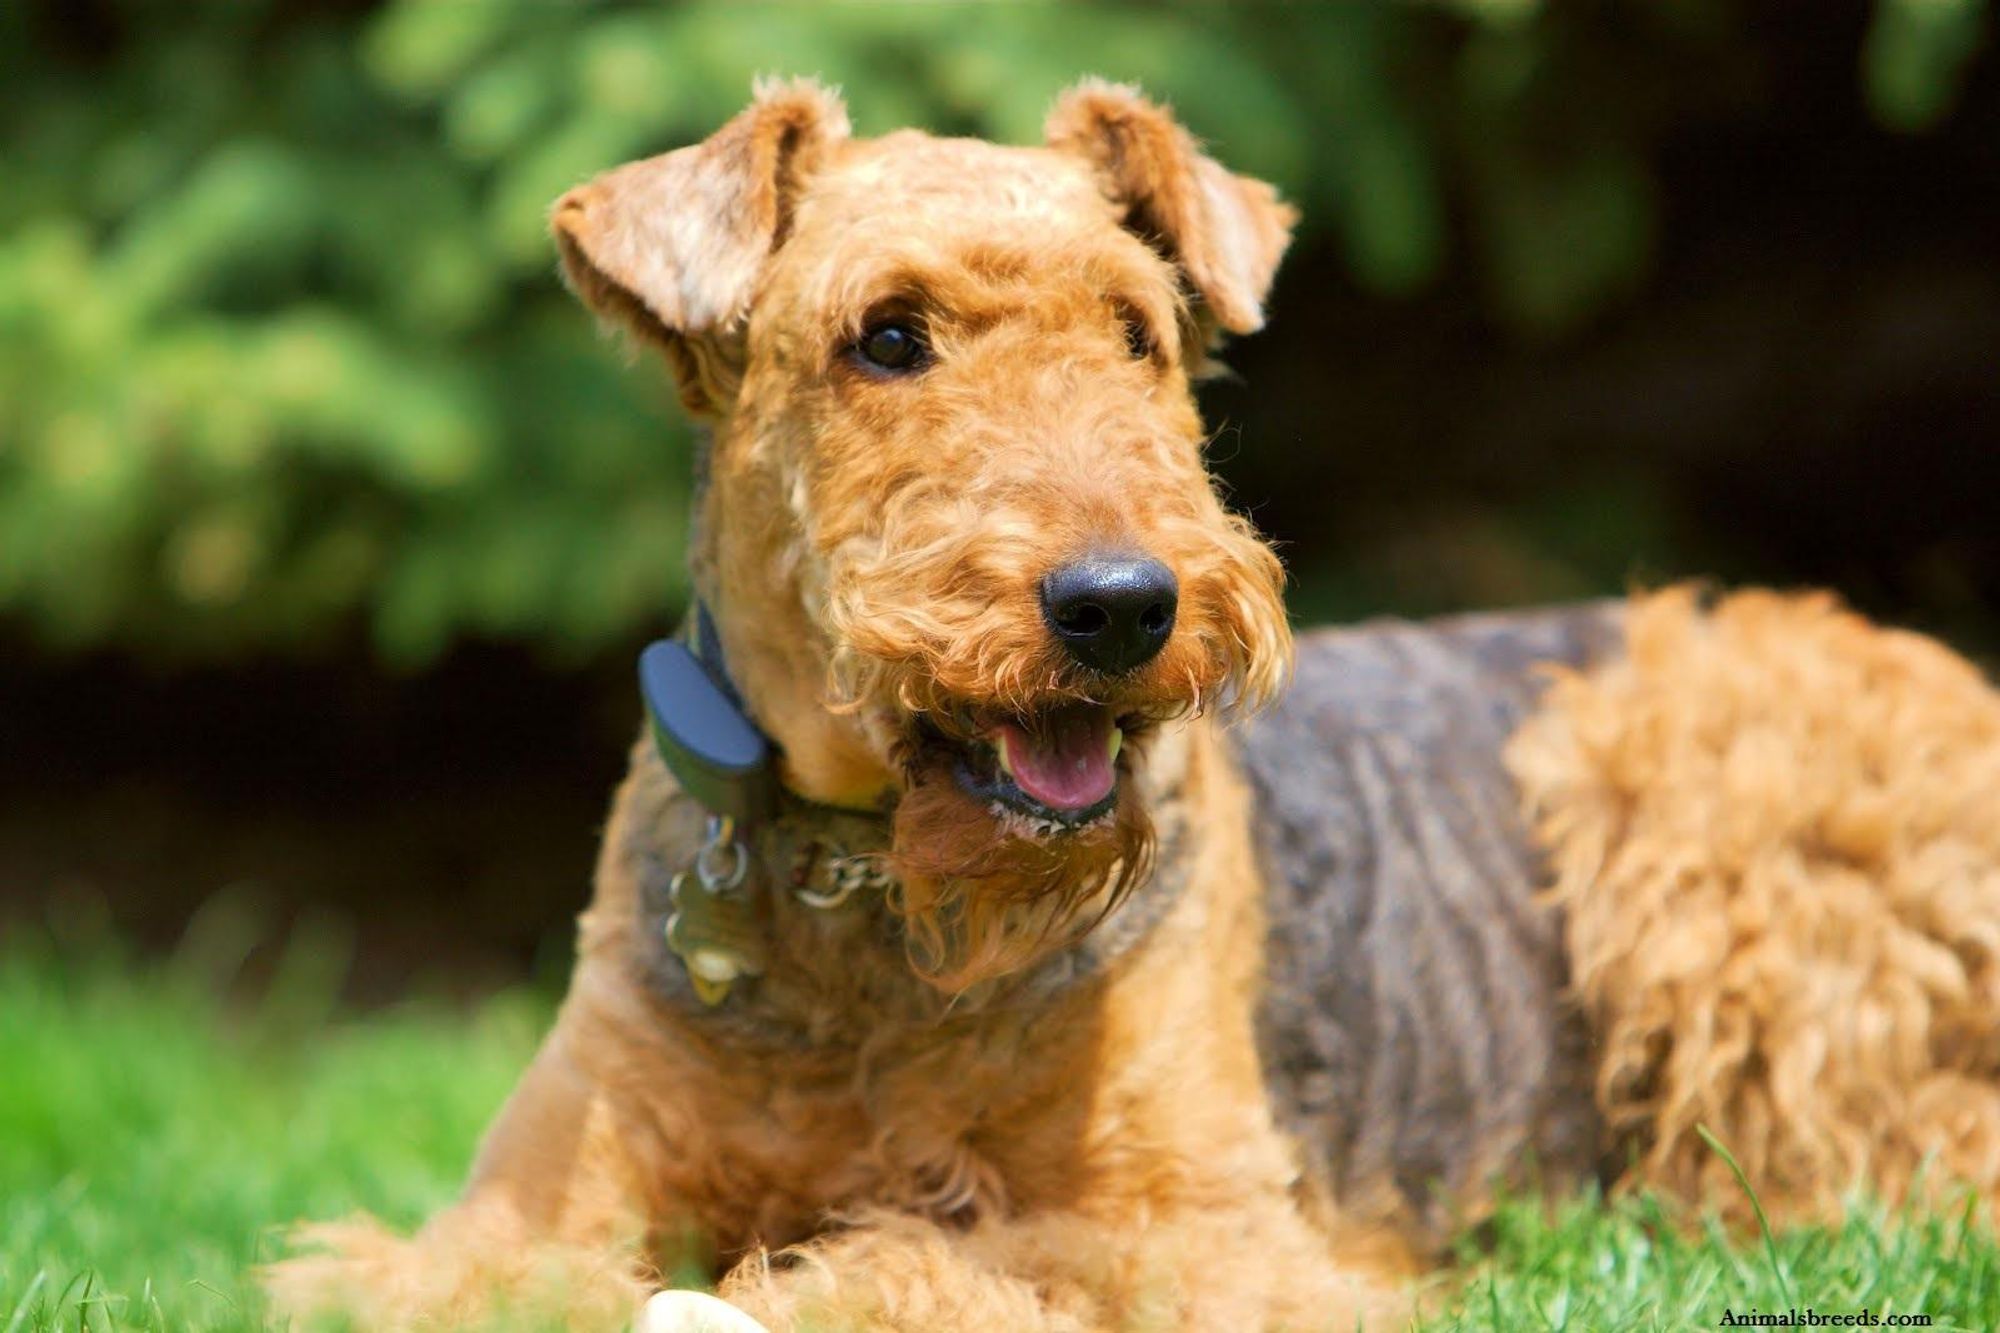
(1241, 1049)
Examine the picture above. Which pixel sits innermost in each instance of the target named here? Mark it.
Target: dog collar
(703, 736)
(725, 764)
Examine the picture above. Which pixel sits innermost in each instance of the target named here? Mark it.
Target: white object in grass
(693, 1312)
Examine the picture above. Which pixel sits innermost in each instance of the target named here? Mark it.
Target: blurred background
(329, 526)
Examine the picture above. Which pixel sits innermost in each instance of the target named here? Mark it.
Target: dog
(1005, 925)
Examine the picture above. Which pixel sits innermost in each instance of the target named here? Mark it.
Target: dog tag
(715, 936)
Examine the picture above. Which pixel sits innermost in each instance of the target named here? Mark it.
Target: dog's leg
(548, 1229)
(1242, 1266)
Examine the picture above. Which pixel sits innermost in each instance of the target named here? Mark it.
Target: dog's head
(967, 555)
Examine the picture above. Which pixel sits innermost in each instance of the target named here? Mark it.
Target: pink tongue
(1065, 762)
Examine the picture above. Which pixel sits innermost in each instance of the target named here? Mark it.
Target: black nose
(1112, 612)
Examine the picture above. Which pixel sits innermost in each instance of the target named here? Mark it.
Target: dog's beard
(983, 892)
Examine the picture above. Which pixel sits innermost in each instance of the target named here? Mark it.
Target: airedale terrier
(955, 965)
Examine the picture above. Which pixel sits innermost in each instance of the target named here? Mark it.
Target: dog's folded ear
(1227, 232)
(670, 248)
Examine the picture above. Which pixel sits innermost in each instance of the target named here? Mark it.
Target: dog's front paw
(468, 1269)
(693, 1312)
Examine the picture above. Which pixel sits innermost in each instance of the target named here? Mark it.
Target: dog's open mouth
(1059, 766)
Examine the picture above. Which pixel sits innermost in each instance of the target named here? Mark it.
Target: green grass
(1626, 1266)
(153, 1141)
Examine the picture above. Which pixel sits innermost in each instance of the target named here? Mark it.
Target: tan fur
(979, 901)
(1776, 836)
(1227, 232)
(1774, 832)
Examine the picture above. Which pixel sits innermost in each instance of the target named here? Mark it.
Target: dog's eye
(896, 347)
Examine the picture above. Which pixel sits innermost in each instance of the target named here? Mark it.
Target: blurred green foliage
(282, 350)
